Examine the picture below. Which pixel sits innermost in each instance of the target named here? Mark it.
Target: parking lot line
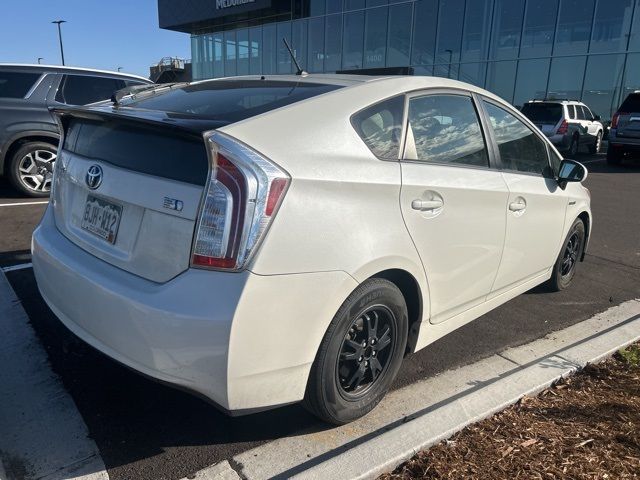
(13, 268)
(21, 204)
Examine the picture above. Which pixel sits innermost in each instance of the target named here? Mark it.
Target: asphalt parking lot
(149, 431)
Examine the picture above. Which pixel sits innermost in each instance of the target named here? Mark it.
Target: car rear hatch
(127, 190)
(628, 117)
(546, 116)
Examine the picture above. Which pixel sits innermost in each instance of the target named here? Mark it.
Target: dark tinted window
(587, 113)
(520, 149)
(16, 84)
(572, 111)
(445, 129)
(163, 153)
(84, 89)
(543, 112)
(631, 104)
(231, 100)
(380, 126)
(581, 115)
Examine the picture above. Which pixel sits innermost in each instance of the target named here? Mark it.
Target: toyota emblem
(94, 177)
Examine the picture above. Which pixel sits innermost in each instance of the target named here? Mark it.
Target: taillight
(241, 196)
(563, 128)
(614, 119)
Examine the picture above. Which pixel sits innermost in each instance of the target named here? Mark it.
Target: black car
(624, 136)
(28, 132)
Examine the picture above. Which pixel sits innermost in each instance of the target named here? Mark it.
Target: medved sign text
(221, 4)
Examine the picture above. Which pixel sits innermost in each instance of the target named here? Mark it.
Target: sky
(104, 34)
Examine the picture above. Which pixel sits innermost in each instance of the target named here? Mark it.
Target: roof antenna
(293, 57)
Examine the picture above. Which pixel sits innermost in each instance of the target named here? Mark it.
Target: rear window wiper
(135, 90)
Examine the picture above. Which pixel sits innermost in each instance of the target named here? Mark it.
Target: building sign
(182, 15)
(220, 4)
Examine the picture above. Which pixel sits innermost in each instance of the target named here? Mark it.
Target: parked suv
(568, 124)
(624, 136)
(28, 132)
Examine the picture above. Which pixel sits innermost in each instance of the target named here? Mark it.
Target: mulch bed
(585, 427)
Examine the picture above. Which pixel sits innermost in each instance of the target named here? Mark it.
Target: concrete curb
(427, 412)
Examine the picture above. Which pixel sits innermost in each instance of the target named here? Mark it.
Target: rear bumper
(242, 340)
(626, 143)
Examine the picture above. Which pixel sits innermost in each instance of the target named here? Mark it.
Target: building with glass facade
(519, 49)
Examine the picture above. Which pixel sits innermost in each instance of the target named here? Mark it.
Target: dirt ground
(585, 427)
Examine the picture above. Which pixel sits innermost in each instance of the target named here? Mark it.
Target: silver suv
(624, 136)
(567, 123)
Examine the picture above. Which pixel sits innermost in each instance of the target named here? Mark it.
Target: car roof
(558, 101)
(65, 69)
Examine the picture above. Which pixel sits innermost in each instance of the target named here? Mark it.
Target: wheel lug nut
(373, 353)
(360, 359)
(366, 364)
(364, 344)
(373, 341)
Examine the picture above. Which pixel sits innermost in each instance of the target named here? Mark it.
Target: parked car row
(29, 134)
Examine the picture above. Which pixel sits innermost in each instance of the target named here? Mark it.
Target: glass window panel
(602, 84)
(315, 62)
(316, 7)
(230, 53)
(334, 6)
(520, 149)
(580, 113)
(475, 39)
(423, 70)
(612, 25)
(299, 42)
(507, 26)
(375, 37)
(269, 49)
(574, 27)
(196, 57)
(376, 3)
(500, 77)
(243, 51)
(353, 41)
(424, 32)
(284, 57)
(632, 75)
(353, 4)
(218, 55)
(473, 73)
(634, 40)
(399, 35)
(445, 129)
(565, 79)
(333, 43)
(531, 81)
(450, 70)
(449, 31)
(540, 24)
(255, 61)
(380, 127)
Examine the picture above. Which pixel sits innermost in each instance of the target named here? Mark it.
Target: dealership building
(519, 49)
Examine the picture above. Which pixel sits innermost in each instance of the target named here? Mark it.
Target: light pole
(40, 58)
(450, 52)
(60, 37)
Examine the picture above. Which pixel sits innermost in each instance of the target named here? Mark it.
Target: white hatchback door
(536, 207)
(453, 203)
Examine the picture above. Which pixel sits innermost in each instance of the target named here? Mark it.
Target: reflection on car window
(86, 89)
(520, 148)
(380, 127)
(445, 129)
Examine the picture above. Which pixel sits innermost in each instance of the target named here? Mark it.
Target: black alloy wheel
(565, 267)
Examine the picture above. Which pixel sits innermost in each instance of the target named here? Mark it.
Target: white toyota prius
(268, 240)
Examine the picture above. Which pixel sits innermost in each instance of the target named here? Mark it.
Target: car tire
(31, 168)
(614, 157)
(565, 266)
(597, 144)
(574, 146)
(360, 353)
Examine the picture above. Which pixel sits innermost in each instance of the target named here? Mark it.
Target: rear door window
(572, 111)
(445, 129)
(16, 84)
(380, 127)
(581, 113)
(85, 89)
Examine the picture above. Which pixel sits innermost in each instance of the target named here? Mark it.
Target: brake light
(563, 128)
(614, 119)
(240, 199)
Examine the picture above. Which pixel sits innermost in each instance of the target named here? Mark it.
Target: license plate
(101, 218)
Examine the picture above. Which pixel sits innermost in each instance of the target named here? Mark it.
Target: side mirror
(596, 118)
(571, 171)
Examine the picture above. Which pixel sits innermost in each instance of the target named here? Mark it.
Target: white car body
(247, 339)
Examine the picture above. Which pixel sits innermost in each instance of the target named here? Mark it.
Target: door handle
(518, 206)
(423, 205)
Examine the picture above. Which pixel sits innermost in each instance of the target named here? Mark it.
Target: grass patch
(631, 355)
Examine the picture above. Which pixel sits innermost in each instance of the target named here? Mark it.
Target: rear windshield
(231, 100)
(631, 104)
(16, 84)
(543, 112)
